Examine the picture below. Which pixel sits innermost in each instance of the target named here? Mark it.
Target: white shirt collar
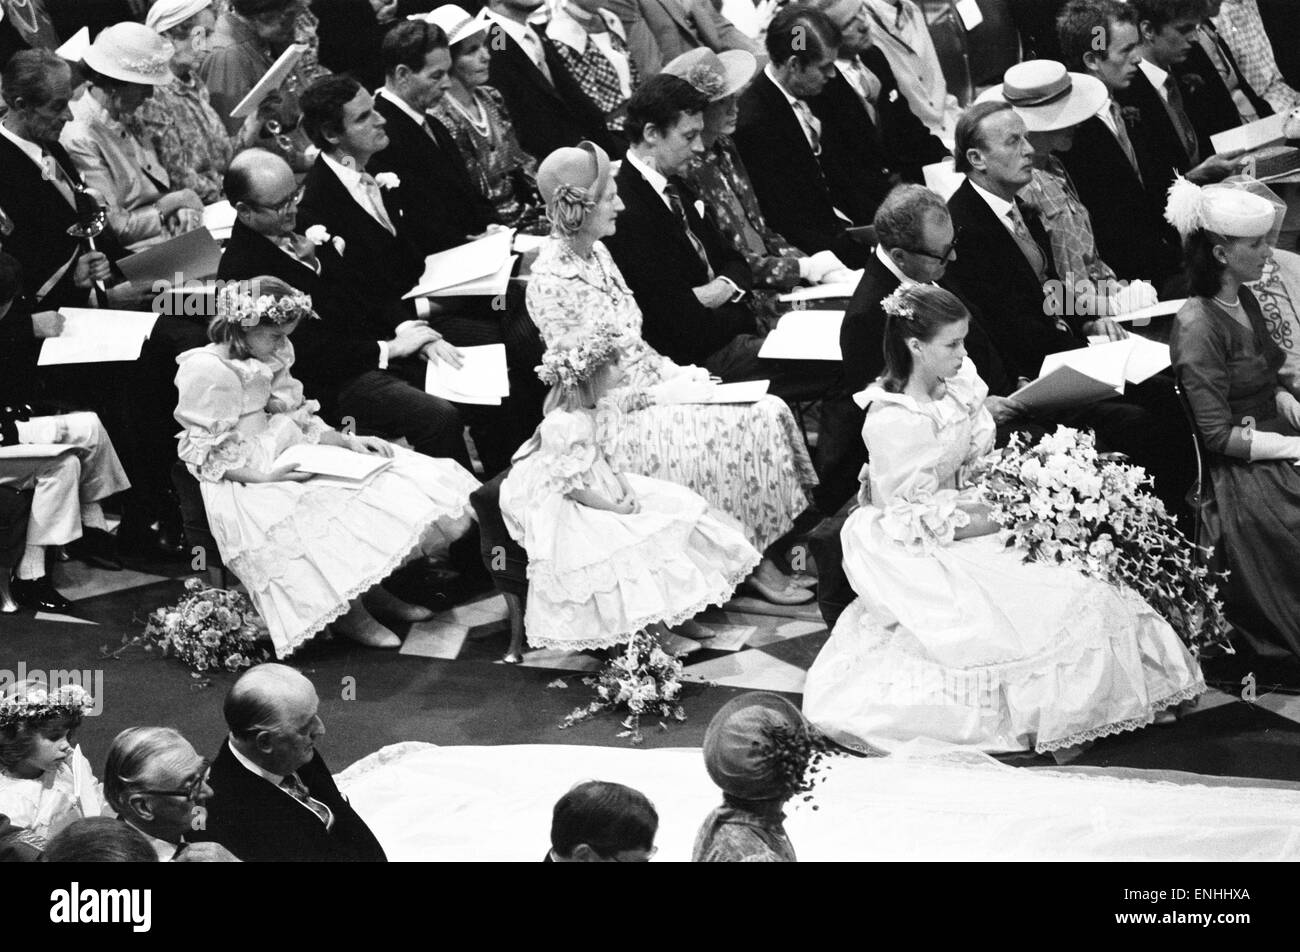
(999, 205)
(401, 104)
(251, 767)
(658, 181)
(770, 73)
(883, 257)
(564, 28)
(1155, 74)
(351, 178)
(164, 849)
(29, 149)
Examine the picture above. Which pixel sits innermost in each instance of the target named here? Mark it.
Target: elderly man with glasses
(158, 784)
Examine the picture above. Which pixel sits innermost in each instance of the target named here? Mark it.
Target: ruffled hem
(1191, 692)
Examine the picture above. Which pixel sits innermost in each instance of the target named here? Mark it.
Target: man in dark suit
(274, 799)
(1106, 161)
(780, 139)
(545, 103)
(1006, 271)
(350, 204)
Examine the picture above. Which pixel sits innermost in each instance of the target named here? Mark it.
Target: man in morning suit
(1004, 271)
(780, 138)
(547, 107)
(274, 799)
(1107, 160)
(350, 204)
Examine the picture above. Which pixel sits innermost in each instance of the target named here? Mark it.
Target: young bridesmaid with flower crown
(609, 553)
(305, 549)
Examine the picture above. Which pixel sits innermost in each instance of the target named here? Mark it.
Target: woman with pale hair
(125, 63)
(745, 459)
(953, 637)
(1230, 369)
(306, 548)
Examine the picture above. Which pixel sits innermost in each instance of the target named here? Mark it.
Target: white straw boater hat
(131, 53)
(1047, 96)
(717, 75)
(455, 22)
(1233, 208)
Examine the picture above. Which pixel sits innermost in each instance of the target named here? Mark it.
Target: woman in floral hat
(305, 549)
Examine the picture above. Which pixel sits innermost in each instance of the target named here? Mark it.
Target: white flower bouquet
(644, 680)
(1061, 501)
(209, 629)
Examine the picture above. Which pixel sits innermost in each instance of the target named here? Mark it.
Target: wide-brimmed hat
(717, 75)
(1047, 96)
(584, 166)
(165, 14)
(737, 752)
(455, 21)
(131, 53)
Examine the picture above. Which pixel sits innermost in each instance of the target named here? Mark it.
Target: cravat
(298, 790)
(865, 84)
(537, 53)
(679, 209)
(1033, 254)
(1178, 114)
(52, 172)
(376, 200)
(1121, 133)
(812, 126)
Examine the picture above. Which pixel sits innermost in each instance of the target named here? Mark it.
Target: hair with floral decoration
(568, 209)
(569, 366)
(31, 702)
(707, 80)
(898, 305)
(247, 304)
(914, 312)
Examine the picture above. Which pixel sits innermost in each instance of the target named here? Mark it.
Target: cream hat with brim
(454, 21)
(131, 53)
(1047, 96)
(717, 75)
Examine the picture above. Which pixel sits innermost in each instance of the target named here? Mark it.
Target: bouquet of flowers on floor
(209, 629)
(1061, 501)
(644, 680)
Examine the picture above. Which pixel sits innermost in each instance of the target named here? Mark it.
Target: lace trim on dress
(214, 454)
(1188, 693)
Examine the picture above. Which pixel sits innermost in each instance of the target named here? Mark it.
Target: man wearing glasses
(158, 784)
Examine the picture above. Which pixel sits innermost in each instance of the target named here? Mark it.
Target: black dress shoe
(39, 594)
(98, 548)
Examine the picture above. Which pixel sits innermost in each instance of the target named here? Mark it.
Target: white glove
(684, 390)
(816, 267)
(1135, 295)
(1288, 407)
(1265, 445)
(691, 372)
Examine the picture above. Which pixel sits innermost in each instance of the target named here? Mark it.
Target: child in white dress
(305, 549)
(45, 782)
(609, 553)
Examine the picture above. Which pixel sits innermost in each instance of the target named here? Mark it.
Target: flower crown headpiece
(707, 80)
(570, 366)
(898, 304)
(240, 306)
(37, 703)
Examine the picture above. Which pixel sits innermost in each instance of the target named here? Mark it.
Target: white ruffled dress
(961, 641)
(596, 577)
(46, 804)
(302, 549)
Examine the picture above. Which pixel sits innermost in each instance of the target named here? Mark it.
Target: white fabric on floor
(924, 802)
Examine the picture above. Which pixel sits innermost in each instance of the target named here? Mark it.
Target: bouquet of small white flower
(644, 679)
(1061, 501)
(209, 629)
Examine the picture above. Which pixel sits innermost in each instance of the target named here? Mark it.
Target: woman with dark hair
(45, 781)
(476, 116)
(1249, 421)
(952, 636)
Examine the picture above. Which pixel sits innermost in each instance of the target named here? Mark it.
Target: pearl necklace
(480, 124)
(1228, 304)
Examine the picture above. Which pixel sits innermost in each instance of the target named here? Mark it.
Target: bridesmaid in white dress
(305, 549)
(952, 636)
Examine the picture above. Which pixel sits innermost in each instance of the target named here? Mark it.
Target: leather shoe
(98, 548)
(39, 594)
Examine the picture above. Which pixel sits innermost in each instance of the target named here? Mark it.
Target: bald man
(273, 797)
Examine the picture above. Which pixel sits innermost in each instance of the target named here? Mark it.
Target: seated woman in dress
(178, 121)
(123, 65)
(475, 115)
(1249, 422)
(718, 177)
(952, 636)
(305, 548)
(45, 781)
(748, 460)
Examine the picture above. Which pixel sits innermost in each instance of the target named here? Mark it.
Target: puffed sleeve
(209, 406)
(287, 397)
(568, 449)
(1200, 357)
(905, 453)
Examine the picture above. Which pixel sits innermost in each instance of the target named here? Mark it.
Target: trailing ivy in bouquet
(210, 629)
(643, 679)
(1061, 501)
